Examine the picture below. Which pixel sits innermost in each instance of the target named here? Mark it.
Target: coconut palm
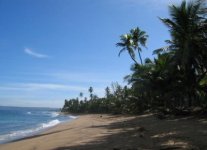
(81, 95)
(127, 44)
(187, 29)
(139, 38)
(188, 33)
(90, 90)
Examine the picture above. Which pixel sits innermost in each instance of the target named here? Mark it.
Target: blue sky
(54, 49)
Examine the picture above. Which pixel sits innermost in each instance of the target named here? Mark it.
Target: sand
(108, 132)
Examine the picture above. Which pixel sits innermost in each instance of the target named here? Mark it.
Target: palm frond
(161, 50)
(123, 49)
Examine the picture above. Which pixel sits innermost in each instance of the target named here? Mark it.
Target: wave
(73, 117)
(29, 113)
(51, 123)
(17, 134)
(28, 132)
(54, 114)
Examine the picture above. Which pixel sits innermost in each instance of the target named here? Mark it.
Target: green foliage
(175, 80)
(115, 102)
(90, 90)
(133, 41)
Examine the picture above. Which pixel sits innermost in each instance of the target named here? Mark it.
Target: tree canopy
(174, 81)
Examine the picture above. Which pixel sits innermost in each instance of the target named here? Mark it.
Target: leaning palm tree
(127, 44)
(139, 38)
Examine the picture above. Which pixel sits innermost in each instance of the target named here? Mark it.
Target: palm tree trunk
(134, 59)
(140, 57)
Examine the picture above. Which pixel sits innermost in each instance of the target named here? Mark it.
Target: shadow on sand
(146, 132)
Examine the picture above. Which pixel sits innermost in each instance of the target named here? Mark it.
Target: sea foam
(54, 114)
(51, 123)
(73, 117)
(28, 132)
(21, 122)
(29, 113)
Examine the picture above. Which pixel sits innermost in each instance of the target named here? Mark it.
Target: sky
(52, 50)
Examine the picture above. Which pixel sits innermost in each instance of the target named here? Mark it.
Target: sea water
(21, 122)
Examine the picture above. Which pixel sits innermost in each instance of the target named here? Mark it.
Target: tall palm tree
(81, 94)
(187, 27)
(127, 44)
(184, 26)
(139, 38)
(107, 92)
(90, 90)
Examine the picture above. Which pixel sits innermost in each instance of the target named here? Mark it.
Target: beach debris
(141, 135)
(141, 129)
(161, 116)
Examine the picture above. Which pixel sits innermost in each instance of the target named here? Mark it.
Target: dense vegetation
(174, 81)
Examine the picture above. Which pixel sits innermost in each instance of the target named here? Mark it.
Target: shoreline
(39, 133)
(83, 121)
(96, 131)
(36, 131)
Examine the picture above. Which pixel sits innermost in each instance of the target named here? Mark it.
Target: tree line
(115, 101)
(173, 82)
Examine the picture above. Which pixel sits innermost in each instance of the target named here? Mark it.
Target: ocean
(21, 122)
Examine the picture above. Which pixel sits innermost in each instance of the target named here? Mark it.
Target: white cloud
(41, 86)
(84, 77)
(35, 54)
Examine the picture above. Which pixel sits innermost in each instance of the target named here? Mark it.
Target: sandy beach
(104, 132)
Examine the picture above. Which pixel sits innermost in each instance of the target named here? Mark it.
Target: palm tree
(187, 27)
(107, 92)
(81, 95)
(127, 44)
(139, 38)
(91, 92)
